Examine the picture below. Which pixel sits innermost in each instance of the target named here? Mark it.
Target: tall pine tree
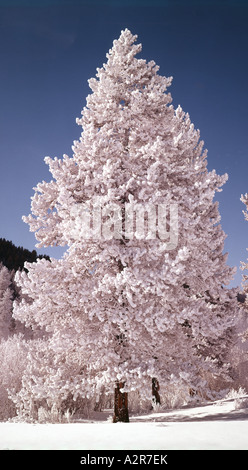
(134, 301)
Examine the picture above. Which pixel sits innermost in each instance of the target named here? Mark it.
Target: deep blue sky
(49, 49)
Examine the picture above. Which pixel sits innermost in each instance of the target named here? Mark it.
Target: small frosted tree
(13, 353)
(139, 297)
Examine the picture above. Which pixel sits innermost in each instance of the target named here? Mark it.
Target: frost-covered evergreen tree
(6, 302)
(133, 298)
(244, 267)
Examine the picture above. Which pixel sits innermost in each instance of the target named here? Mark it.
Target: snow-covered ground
(221, 425)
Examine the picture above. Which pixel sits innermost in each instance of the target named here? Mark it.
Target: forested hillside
(14, 257)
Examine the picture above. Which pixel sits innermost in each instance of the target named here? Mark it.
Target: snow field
(218, 426)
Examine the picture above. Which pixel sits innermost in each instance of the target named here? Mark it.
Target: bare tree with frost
(139, 296)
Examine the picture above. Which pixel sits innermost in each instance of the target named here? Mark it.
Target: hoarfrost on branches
(121, 309)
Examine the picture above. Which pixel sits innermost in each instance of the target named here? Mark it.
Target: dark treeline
(14, 257)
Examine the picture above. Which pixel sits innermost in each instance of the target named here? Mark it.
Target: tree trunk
(155, 391)
(121, 405)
